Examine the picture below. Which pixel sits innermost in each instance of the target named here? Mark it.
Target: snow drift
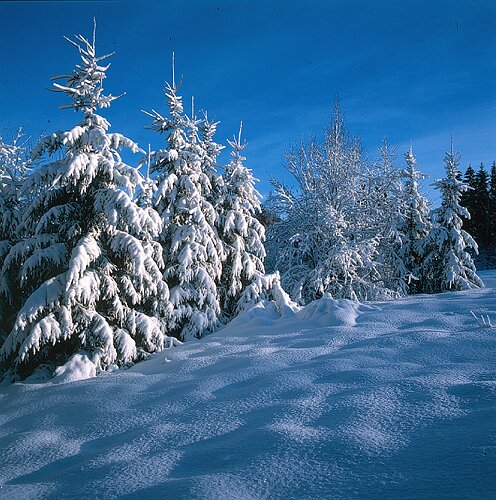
(334, 400)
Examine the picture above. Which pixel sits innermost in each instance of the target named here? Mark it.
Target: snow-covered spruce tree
(209, 153)
(192, 249)
(14, 166)
(241, 232)
(147, 188)
(416, 223)
(87, 269)
(492, 207)
(448, 265)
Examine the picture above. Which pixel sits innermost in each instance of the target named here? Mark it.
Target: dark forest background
(480, 201)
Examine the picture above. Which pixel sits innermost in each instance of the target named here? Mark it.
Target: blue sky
(409, 70)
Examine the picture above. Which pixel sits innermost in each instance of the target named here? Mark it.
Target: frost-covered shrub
(331, 230)
(265, 287)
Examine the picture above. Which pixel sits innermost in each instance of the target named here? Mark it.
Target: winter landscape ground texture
(333, 400)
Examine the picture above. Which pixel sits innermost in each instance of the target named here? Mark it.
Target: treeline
(480, 201)
(101, 264)
(361, 229)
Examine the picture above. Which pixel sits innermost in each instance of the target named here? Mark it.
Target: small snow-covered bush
(483, 321)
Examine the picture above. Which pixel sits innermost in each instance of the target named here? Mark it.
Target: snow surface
(336, 400)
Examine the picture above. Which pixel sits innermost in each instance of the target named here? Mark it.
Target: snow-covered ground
(337, 400)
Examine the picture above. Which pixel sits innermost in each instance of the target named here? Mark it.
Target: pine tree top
(451, 163)
(85, 85)
(237, 148)
(410, 157)
(470, 175)
(492, 182)
(411, 171)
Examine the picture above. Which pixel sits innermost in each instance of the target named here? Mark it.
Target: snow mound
(330, 312)
(78, 367)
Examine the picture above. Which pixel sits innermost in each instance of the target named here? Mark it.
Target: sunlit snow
(336, 400)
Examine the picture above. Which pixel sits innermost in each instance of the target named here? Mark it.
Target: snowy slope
(337, 400)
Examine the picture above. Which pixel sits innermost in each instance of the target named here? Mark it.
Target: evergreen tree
(243, 235)
(416, 223)
(192, 249)
(492, 208)
(15, 163)
(480, 215)
(145, 192)
(87, 270)
(469, 200)
(210, 151)
(14, 166)
(448, 265)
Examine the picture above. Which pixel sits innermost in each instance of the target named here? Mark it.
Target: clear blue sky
(409, 70)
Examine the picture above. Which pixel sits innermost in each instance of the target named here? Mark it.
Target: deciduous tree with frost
(323, 242)
(448, 265)
(382, 209)
(192, 249)
(87, 268)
